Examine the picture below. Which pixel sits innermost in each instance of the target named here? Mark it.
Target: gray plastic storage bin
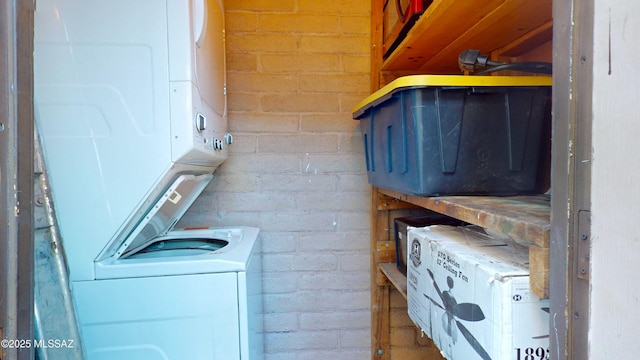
(456, 135)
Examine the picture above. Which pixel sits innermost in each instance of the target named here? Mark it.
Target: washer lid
(165, 213)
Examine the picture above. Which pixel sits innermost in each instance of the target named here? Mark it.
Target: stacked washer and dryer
(131, 110)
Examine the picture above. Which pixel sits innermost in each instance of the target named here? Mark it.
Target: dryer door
(209, 37)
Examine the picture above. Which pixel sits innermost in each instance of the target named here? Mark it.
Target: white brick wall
(296, 169)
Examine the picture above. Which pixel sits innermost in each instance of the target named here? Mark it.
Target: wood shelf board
(398, 279)
(387, 203)
(536, 37)
(526, 218)
(433, 44)
(538, 276)
(538, 273)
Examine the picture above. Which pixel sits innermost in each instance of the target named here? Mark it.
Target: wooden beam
(539, 271)
(380, 317)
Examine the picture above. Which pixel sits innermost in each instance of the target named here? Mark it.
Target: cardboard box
(469, 292)
(400, 226)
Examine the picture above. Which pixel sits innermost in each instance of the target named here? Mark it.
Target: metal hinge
(584, 245)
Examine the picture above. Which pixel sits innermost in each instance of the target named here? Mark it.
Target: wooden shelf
(507, 30)
(525, 218)
(398, 279)
(449, 27)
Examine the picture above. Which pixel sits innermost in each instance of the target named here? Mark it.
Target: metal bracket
(584, 245)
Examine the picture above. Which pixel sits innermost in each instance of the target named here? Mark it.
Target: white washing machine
(130, 100)
(175, 294)
(189, 294)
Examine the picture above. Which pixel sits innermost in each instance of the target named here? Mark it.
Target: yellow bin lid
(418, 81)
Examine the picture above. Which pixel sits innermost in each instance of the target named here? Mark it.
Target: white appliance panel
(210, 56)
(251, 307)
(197, 49)
(203, 310)
(198, 82)
(188, 144)
(168, 317)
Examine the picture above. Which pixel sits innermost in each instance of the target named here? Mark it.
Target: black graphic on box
(453, 312)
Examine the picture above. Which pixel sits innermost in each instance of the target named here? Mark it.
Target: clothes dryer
(130, 100)
(129, 96)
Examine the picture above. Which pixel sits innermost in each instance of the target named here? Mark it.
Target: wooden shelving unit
(519, 30)
(450, 26)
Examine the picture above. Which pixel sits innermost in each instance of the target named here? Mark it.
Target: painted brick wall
(296, 169)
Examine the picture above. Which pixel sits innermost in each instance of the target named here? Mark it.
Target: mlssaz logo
(415, 253)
